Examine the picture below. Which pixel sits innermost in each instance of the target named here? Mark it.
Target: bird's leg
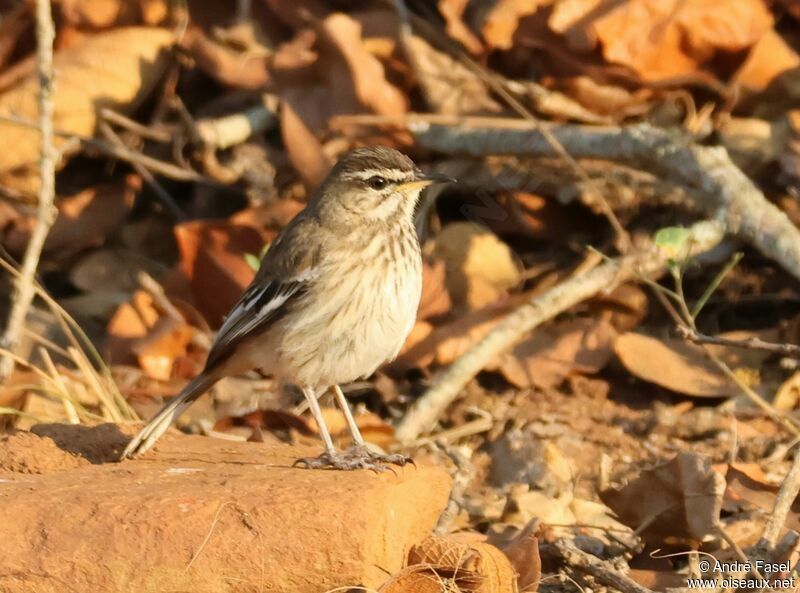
(359, 449)
(357, 457)
(358, 440)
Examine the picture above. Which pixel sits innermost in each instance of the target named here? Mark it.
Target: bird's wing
(287, 268)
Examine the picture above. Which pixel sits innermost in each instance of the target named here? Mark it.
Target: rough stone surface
(199, 515)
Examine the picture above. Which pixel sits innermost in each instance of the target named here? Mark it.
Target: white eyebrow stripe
(390, 174)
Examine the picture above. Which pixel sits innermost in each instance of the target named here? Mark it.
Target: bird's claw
(355, 458)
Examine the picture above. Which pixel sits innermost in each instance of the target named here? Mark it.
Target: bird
(335, 297)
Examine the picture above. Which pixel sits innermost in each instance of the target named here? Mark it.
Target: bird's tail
(159, 424)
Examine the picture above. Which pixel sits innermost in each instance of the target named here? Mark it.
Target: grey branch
(722, 191)
(647, 261)
(46, 211)
(588, 564)
(788, 350)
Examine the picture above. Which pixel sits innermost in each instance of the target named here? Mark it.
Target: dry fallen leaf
(123, 66)
(166, 342)
(304, 150)
(453, 13)
(662, 38)
(131, 322)
(681, 498)
(435, 299)
(502, 20)
(213, 259)
(84, 220)
(448, 85)
(767, 59)
(480, 267)
(553, 353)
(523, 553)
(673, 364)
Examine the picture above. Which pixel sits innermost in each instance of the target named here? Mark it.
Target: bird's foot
(354, 458)
(390, 458)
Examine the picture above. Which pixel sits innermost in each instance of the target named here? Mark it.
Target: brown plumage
(335, 297)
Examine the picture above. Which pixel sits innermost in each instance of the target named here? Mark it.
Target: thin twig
(157, 188)
(580, 560)
(786, 496)
(754, 343)
(46, 211)
(161, 136)
(119, 152)
(648, 262)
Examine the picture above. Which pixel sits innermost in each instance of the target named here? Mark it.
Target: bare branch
(687, 333)
(46, 211)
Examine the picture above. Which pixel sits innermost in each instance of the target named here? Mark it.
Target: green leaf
(672, 239)
(253, 261)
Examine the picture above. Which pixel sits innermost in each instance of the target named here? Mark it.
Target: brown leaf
(354, 77)
(681, 498)
(673, 364)
(435, 297)
(131, 322)
(123, 66)
(523, 553)
(502, 20)
(453, 13)
(553, 353)
(226, 64)
(84, 220)
(480, 267)
(448, 85)
(447, 342)
(13, 26)
(662, 38)
(304, 150)
(767, 59)
(166, 342)
(213, 258)
(99, 14)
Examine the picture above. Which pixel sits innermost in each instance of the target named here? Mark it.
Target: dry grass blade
(94, 373)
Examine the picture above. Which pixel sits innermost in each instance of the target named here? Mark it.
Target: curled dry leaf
(659, 38)
(304, 150)
(502, 21)
(673, 364)
(227, 65)
(99, 14)
(523, 553)
(131, 322)
(165, 343)
(448, 85)
(767, 59)
(84, 220)
(123, 66)
(453, 13)
(213, 259)
(681, 498)
(480, 267)
(435, 297)
(553, 353)
(475, 566)
(353, 75)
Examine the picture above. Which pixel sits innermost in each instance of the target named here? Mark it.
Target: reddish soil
(200, 515)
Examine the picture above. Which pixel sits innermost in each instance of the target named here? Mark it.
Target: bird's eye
(376, 182)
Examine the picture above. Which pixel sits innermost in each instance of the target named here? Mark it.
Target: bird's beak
(426, 179)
